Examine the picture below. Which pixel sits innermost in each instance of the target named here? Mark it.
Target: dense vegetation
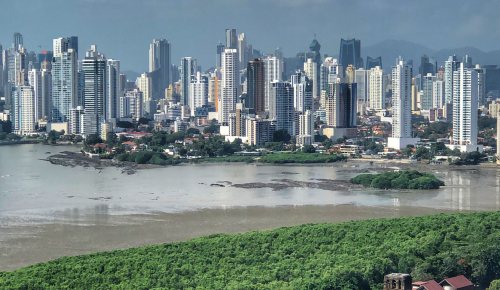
(410, 179)
(353, 255)
(300, 157)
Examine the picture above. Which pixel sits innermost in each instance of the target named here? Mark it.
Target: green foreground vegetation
(352, 255)
(409, 179)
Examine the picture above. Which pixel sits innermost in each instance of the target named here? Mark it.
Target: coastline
(27, 245)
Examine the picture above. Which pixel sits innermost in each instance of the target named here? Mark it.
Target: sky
(123, 29)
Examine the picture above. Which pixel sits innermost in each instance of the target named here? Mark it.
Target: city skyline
(461, 24)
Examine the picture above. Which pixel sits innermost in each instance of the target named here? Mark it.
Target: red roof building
(427, 285)
(458, 283)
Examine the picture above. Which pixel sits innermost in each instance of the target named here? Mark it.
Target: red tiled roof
(431, 285)
(458, 281)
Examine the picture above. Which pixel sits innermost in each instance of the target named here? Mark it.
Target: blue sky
(122, 29)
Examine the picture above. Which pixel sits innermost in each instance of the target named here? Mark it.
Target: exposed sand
(26, 245)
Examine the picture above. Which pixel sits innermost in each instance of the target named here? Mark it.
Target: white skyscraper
(35, 81)
(376, 88)
(310, 69)
(450, 66)
(143, 83)
(64, 85)
(188, 70)
(426, 98)
(306, 128)
(230, 83)
(302, 92)
(401, 106)
(242, 50)
(273, 72)
(76, 120)
(131, 104)
(198, 92)
(361, 79)
(438, 94)
(465, 105)
(24, 110)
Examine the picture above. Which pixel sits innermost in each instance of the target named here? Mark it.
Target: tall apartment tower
(281, 106)
(230, 83)
(302, 92)
(198, 91)
(376, 88)
(231, 38)
(17, 41)
(311, 71)
(159, 67)
(450, 66)
(24, 110)
(94, 98)
(63, 44)
(401, 106)
(426, 99)
(64, 83)
(256, 86)
(188, 70)
(114, 90)
(465, 105)
(274, 69)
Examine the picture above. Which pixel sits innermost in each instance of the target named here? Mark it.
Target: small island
(408, 179)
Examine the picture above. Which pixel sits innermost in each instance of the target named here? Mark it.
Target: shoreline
(27, 245)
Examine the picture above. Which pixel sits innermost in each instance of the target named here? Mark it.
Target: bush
(409, 179)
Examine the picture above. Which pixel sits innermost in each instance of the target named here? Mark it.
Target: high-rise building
(94, 67)
(188, 70)
(302, 92)
(230, 83)
(198, 92)
(306, 128)
(64, 85)
(131, 104)
(63, 44)
(426, 98)
(159, 67)
(426, 66)
(259, 131)
(143, 83)
(401, 106)
(465, 114)
(372, 62)
(361, 80)
(46, 94)
(376, 88)
(256, 86)
(311, 70)
(76, 120)
(220, 50)
(35, 81)
(314, 50)
(114, 91)
(438, 94)
(18, 41)
(281, 106)
(24, 110)
(243, 56)
(273, 67)
(341, 105)
(231, 38)
(450, 66)
(350, 53)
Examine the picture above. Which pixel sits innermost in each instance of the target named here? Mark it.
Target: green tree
(281, 136)
(308, 149)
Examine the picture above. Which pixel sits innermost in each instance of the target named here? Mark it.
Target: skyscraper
(231, 38)
(376, 88)
(273, 67)
(341, 105)
(372, 62)
(401, 106)
(242, 50)
(159, 67)
(230, 83)
(24, 110)
(143, 83)
(350, 53)
(17, 41)
(256, 86)
(314, 49)
(465, 112)
(220, 50)
(361, 80)
(63, 44)
(198, 91)
(306, 128)
(35, 81)
(64, 84)
(302, 92)
(450, 66)
(94, 70)
(426, 98)
(281, 106)
(188, 70)
(438, 94)
(46, 94)
(311, 70)
(114, 91)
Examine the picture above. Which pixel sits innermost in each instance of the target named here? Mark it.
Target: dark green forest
(406, 179)
(352, 255)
